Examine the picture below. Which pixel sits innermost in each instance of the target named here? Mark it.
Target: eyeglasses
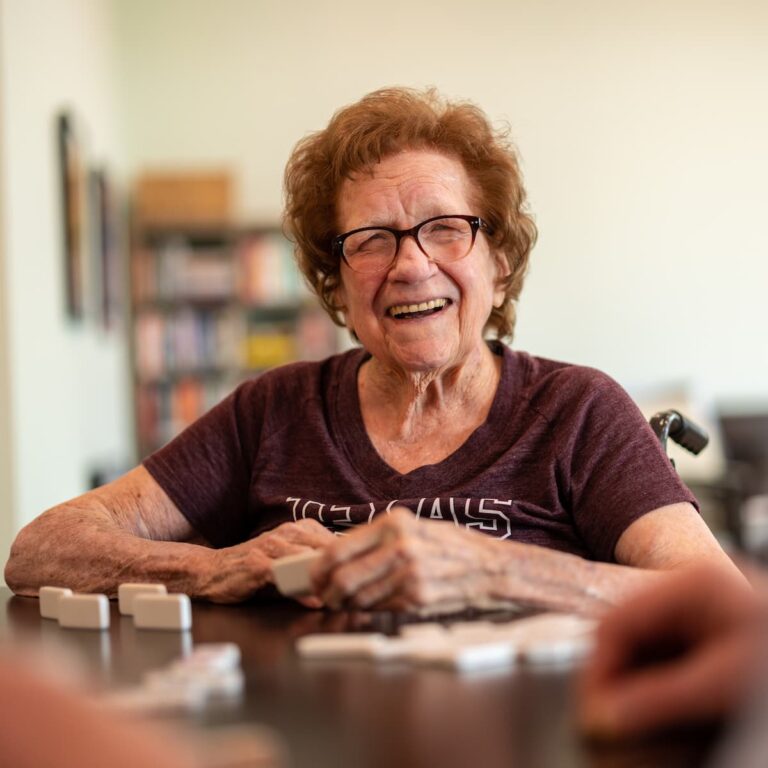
(441, 239)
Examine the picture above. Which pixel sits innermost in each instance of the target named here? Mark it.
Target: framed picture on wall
(72, 184)
(104, 249)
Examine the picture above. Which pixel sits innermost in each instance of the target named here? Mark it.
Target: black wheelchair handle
(682, 430)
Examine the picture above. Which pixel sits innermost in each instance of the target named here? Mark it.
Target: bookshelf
(212, 305)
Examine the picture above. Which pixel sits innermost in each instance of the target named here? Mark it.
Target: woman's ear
(339, 301)
(503, 271)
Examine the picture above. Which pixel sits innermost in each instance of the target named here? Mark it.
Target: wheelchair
(673, 425)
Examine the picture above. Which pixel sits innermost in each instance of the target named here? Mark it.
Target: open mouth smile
(410, 311)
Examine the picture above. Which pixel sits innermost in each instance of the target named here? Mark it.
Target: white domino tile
(210, 672)
(467, 646)
(211, 657)
(171, 612)
(49, 601)
(470, 656)
(126, 594)
(346, 646)
(291, 573)
(410, 647)
(147, 700)
(561, 651)
(84, 611)
(423, 630)
(212, 684)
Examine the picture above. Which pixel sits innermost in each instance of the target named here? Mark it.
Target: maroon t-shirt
(565, 459)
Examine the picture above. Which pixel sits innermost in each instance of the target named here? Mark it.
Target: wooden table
(358, 714)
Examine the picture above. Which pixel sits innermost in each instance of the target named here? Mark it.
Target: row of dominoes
(466, 646)
(150, 605)
(210, 672)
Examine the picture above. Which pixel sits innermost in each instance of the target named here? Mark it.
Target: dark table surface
(358, 713)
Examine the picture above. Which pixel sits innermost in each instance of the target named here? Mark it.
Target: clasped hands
(398, 563)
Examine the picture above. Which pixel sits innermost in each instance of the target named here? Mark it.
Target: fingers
(363, 581)
(399, 563)
(309, 533)
(700, 686)
(293, 538)
(364, 538)
(677, 653)
(678, 610)
(359, 542)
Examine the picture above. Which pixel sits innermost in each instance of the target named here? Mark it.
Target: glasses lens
(446, 239)
(370, 250)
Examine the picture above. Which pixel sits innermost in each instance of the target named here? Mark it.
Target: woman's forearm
(546, 578)
(87, 551)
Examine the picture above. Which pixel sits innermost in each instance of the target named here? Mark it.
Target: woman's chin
(422, 358)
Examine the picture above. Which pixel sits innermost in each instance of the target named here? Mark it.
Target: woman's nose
(411, 263)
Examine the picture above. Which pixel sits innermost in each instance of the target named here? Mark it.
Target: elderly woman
(459, 472)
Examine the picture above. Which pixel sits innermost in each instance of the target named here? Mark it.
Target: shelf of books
(213, 306)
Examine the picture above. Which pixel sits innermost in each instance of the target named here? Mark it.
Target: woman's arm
(130, 530)
(402, 563)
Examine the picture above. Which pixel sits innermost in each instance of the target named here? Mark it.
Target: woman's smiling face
(402, 191)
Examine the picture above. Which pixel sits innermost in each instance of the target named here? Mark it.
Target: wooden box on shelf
(184, 198)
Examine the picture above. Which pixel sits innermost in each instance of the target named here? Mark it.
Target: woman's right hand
(245, 568)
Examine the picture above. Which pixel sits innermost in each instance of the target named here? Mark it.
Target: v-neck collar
(477, 451)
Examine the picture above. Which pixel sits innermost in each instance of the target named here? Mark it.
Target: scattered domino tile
(143, 700)
(558, 651)
(342, 645)
(172, 612)
(212, 684)
(291, 573)
(555, 637)
(49, 601)
(427, 629)
(470, 657)
(472, 630)
(210, 672)
(84, 611)
(465, 646)
(213, 657)
(126, 593)
(410, 647)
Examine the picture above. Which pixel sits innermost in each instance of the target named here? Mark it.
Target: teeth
(402, 309)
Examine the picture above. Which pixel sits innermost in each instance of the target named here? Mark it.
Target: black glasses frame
(475, 224)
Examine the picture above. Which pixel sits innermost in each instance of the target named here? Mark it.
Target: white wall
(642, 128)
(6, 455)
(67, 382)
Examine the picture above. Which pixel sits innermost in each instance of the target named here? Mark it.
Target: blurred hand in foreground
(676, 654)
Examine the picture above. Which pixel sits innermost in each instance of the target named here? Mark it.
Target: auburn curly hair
(382, 124)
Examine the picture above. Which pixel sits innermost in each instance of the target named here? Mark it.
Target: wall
(66, 382)
(641, 125)
(6, 462)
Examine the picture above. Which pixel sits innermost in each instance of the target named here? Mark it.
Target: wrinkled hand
(676, 654)
(246, 567)
(401, 563)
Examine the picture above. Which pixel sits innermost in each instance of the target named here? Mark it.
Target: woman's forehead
(411, 179)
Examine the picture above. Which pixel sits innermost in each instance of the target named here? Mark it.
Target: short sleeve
(617, 467)
(205, 470)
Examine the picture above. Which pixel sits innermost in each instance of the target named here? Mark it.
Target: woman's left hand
(401, 563)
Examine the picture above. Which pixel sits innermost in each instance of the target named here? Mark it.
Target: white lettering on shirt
(492, 517)
(490, 520)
